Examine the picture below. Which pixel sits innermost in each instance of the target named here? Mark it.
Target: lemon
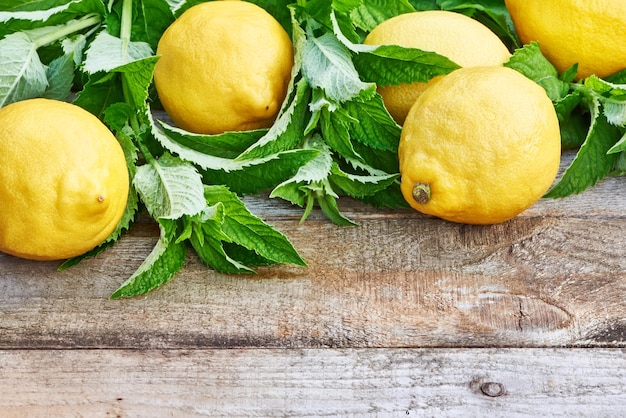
(591, 33)
(479, 147)
(63, 180)
(223, 66)
(463, 40)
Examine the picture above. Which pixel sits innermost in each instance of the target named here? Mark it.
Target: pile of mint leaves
(333, 136)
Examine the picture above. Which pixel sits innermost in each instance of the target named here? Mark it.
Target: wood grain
(553, 277)
(304, 383)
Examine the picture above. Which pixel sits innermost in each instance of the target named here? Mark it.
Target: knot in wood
(492, 389)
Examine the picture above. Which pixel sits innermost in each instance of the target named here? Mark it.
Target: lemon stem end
(421, 193)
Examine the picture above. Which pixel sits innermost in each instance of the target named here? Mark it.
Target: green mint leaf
(371, 13)
(261, 174)
(617, 78)
(392, 64)
(178, 7)
(592, 162)
(60, 75)
(375, 127)
(420, 5)
(286, 132)
(228, 145)
(242, 176)
(316, 170)
(383, 160)
(574, 129)
(491, 13)
(117, 115)
(335, 127)
(619, 146)
(150, 18)
(358, 186)
(390, 197)
(328, 204)
(530, 62)
(138, 78)
(165, 260)
(29, 15)
(615, 112)
(204, 232)
(327, 65)
(100, 91)
(568, 104)
(613, 98)
(22, 75)
(107, 52)
(248, 231)
(170, 188)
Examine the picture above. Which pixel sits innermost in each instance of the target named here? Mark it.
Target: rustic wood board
(305, 382)
(404, 315)
(554, 276)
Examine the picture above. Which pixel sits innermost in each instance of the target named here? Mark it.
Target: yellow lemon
(591, 33)
(63, 180)
(463, 40)
(223, 66)
(479, 147)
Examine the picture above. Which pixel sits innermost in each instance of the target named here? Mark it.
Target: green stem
(67, 29)
(125, 35)
(126, 24)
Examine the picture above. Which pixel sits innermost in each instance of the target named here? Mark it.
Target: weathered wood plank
(555, 276)
(326, 382)
(388, 283)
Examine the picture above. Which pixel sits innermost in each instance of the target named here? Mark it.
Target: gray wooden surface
(404, 315)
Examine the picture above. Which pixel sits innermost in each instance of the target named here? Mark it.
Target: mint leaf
(242, 176)
(287, 130)
(260, 174)
(374, 127)
(393, 64)
(335, 127)
(170, 188)
(22, 75)
(491, 13)
(107, 52)
(326, 65)
(30, 15)
(359, 186)
(328, 204)
(60, 75)
(619, 146)
(612, 96)
(138, 78)
(250, 232)
(530, 62)
(228, 145)
(371, 13)
(100, 91)
(207, 239)
(318, 169)
(592, 162)
(165, 260)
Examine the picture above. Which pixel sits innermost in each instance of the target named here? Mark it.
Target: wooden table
(404, 315)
